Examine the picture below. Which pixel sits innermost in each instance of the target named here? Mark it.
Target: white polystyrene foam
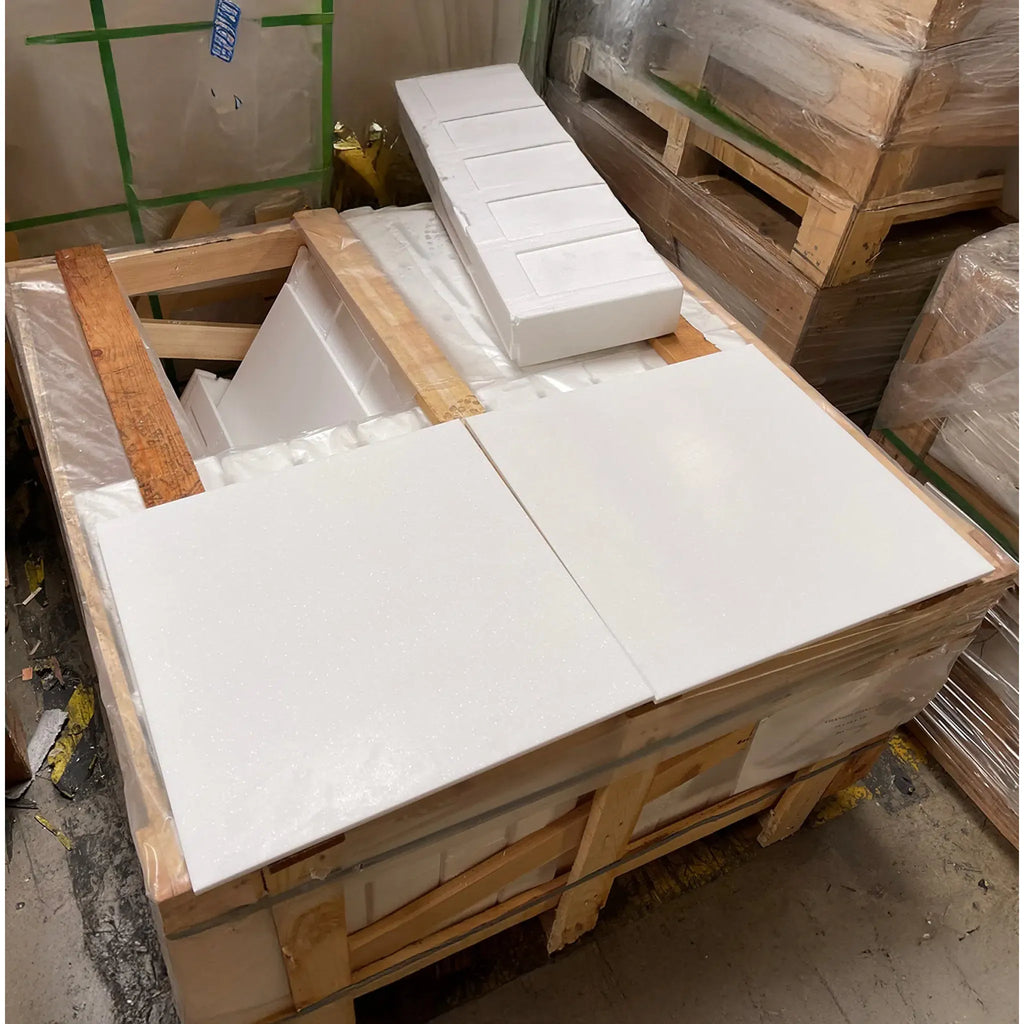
(325, 644)
(716, 516)
(560, 265)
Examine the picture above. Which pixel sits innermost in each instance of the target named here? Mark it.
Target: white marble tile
(716, 516)
(322, 645)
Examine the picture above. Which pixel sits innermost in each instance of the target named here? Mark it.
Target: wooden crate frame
(838, 237)
(612, 769)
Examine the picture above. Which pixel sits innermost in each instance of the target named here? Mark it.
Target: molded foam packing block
(716, 516)
(309, 367)
(366, 630)
(560, 265)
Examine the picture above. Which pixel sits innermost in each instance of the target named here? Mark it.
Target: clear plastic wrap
(825, 87)
(91, 481)
(954, 396)
(110, 151)
(845, 339)
(972, 726)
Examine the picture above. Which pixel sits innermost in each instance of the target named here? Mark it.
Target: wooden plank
(199, 339)
(684, 831)
(431, 912)
(793, 807)
(613, 816)
(219, 258)
(685, 343)
(791, 196)
(457, 937)
(16, 766)
(382, 313)
(314, 944)
(683, 767)
(156, 451)
(986, 190)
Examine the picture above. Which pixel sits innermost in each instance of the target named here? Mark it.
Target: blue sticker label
(226, 16)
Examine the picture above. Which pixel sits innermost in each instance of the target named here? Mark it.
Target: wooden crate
(827, 85)
(735, 243)
(978, 293)
(837, 237)
(288, 941)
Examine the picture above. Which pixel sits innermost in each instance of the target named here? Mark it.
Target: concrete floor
(902, 904)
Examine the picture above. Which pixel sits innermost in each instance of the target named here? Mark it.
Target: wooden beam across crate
(838, 237)
(277, 944)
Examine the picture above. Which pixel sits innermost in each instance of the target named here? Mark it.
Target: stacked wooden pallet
(949, 416)
(549, 830)
(788, 196)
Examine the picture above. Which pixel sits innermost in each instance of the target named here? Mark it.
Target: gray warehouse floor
(899, 905)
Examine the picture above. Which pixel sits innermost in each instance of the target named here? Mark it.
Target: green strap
(100, 33)
(948, 491)
(59, 218)
(99, 20)
(702, 103)
(232, 190)
(326, 100)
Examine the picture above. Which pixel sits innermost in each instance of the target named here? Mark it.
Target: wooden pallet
(276, 944)
(845, 339)
(837, 238)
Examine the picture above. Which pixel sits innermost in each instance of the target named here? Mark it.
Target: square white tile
(320, 646)
(716, 516)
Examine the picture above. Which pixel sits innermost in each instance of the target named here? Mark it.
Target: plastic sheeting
(820, 85)
(956, 393)
(131, 123)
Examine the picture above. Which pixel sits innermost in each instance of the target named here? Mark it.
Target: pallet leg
(613, 816)
(823, 241)
(797, 802)
(312, 931)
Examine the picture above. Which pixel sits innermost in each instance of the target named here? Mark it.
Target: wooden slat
(807, 788)
(383, 315)
(456, 937)
(16, 766)
(696, 826)
(152, 441)
(217, 258)
(677, 770)
(431, 912)
(197, 339)
(613, 816)
(686, 343)
(314, 943)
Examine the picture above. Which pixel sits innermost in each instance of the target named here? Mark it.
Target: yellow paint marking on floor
(841, 802)
(907, 751)
(81, 705)
(50, 827)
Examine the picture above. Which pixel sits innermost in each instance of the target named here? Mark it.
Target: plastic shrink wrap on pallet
(844, 340)
(827, 85)
(950, 415)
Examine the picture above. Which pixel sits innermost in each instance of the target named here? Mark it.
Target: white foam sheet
(561, 266)
(309, 367)
(321, 646)
(716, 516)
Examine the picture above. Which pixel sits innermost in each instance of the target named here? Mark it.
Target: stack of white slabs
(560, 265)
(715, 515)
(321, 646)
